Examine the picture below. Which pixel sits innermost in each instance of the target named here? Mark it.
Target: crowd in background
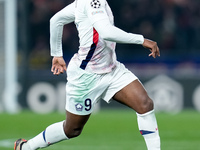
(174, 24)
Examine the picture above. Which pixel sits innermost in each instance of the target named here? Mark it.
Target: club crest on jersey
(79, 107)
(95, 4)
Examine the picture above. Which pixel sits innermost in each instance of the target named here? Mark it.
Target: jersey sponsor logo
(79, 107)
(95, 4)
(97, 12)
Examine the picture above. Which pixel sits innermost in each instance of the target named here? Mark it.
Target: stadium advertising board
(169, 94)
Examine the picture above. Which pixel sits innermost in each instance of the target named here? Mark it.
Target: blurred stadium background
(172, 81)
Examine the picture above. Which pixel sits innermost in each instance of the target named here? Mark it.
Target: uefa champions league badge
(79, 107)
(95, 4)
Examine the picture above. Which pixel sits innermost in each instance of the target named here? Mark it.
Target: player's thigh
(135, 96)
(74, 124)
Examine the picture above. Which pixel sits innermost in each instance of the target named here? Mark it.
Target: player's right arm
(58, 65)
(57, 22)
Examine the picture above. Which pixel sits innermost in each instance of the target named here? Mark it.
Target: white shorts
(85, 89)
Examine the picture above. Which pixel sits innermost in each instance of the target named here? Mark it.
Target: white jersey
(95, 54)
(97, 35)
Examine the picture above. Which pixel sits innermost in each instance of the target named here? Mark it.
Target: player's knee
(146, 105)
(73, 133)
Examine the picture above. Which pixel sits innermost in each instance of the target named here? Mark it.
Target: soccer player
(94, 73)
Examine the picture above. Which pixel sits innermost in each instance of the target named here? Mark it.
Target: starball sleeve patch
(95, 4)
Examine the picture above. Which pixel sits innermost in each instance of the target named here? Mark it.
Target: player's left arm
(107, 31)
(97, 13)
(152, 46)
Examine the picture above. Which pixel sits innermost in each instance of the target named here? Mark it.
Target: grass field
(107, 130)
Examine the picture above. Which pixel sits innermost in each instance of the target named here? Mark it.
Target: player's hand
(58, 65)
(153, 47)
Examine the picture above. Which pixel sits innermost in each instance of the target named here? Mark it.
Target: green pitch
(107, 130)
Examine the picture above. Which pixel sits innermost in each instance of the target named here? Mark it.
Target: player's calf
(149, 129)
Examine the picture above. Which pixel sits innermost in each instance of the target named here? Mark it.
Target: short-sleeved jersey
(95, 54)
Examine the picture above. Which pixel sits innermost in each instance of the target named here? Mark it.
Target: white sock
(53, 134)
(148, 128)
